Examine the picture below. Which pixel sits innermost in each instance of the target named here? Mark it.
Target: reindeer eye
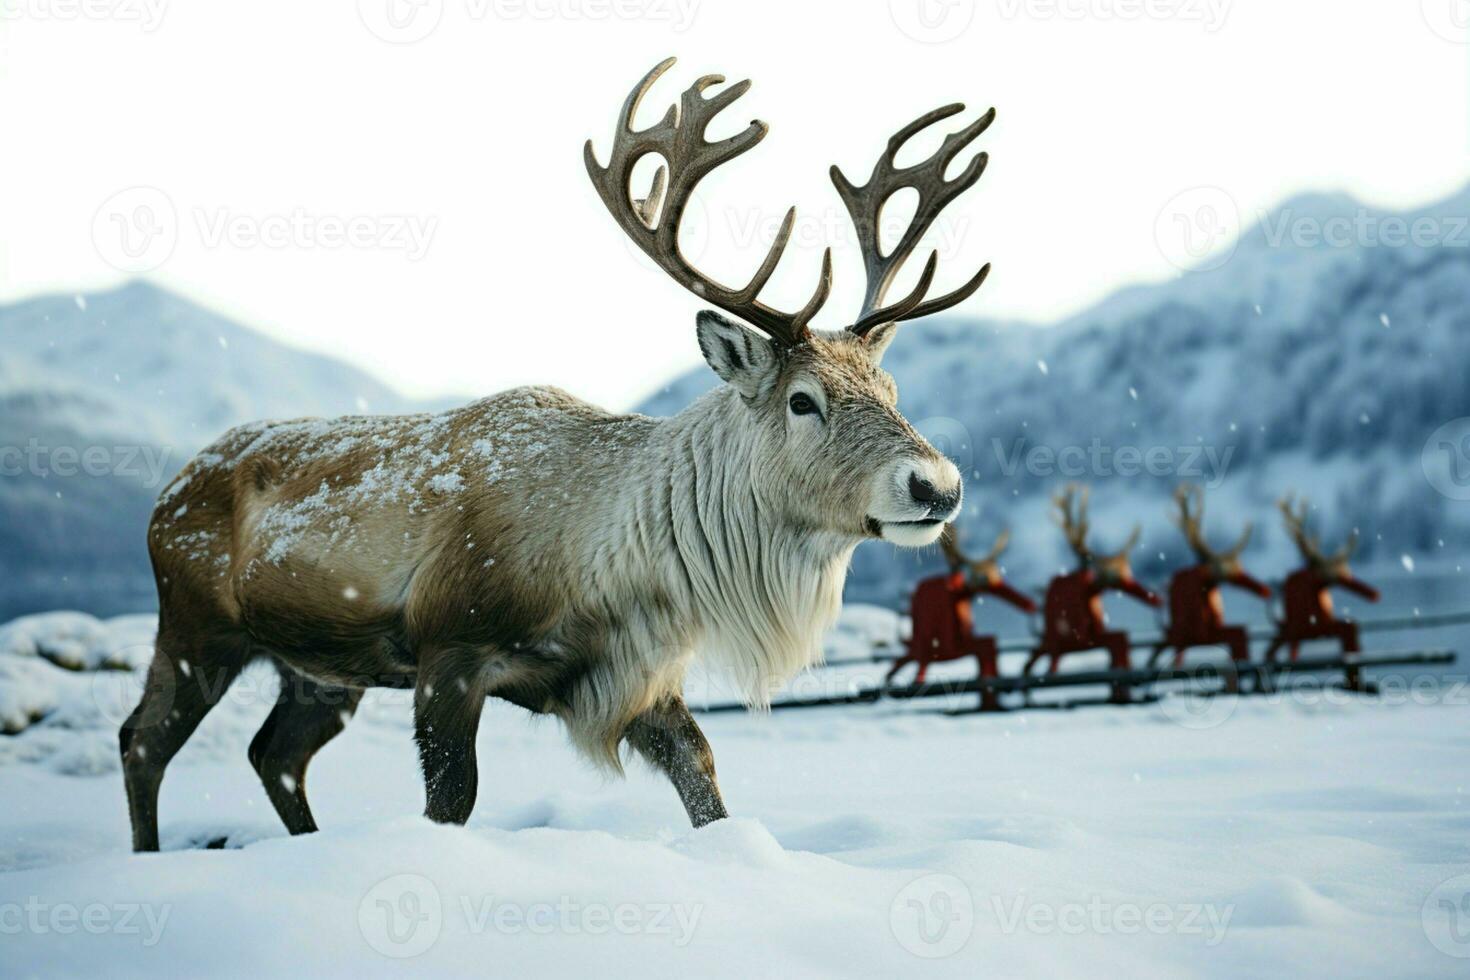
(801, 404)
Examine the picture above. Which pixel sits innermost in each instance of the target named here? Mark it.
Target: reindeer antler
(1002, 541)
(949, 543)
(1190, 499)
(688, 157)
(1129, 543)
(1241, 542)
(652, 221)
(1071, 517)
(1296, 527)
(865, 205)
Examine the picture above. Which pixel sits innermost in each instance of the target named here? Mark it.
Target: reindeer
(1306, 599)
(536, 548)
(1072, 613)
(1196, 611)
(941, 614)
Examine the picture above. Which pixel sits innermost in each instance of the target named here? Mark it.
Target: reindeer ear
(878, 339)
(739, 355)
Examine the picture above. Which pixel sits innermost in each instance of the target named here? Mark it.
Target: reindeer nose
(922, 490)
(925, 492)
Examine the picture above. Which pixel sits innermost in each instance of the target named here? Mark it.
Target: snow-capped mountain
(1305, 362)
(1300, 364)
(102, 398)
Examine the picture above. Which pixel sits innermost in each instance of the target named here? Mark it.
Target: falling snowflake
(1407, 561)
(1041, 366)
(1383, 319)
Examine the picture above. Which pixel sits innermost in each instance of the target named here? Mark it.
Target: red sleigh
(942, 620)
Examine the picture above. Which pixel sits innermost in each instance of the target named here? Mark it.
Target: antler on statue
(1190, 499)
(1128, 545)
(679, 139)
(1071, 516)
(949, 543)
(1002, 541)
(865, 205)
(1296, 527)
(1309, 544)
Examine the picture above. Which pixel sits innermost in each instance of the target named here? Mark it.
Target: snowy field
(1311, 834)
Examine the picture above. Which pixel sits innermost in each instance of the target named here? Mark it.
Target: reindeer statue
(941, 613)
(538, 549)
(1072, 614)
(1196, 610)
(1306, 597)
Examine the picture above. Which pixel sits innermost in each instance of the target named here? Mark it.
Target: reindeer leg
(447, 703)
(1030, 665)
(1266, 680)
(1238, 641)
(185, 680)
(1116, 644)
(898, 665)
(1353, 675)
(307, 716)
(668, 737)
(987, 652)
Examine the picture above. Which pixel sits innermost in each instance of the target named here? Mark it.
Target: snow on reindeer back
(409, 462)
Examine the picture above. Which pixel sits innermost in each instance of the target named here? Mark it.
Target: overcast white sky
(486, 260)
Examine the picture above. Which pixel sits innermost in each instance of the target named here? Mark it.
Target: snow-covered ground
(1310, 834)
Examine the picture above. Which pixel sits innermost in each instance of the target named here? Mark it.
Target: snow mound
(884, 840)
(78, 641)
(1287, 901)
